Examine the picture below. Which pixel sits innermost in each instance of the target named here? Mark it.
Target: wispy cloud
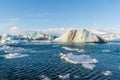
(56, 31)
(8, 22)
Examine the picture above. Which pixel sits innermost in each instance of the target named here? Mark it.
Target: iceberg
(107, 35)
(79, 36)
(10, 39)
(38, 36)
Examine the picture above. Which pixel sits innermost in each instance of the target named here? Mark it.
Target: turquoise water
(41, 61)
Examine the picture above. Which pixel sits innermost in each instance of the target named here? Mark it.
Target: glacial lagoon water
(54, 61)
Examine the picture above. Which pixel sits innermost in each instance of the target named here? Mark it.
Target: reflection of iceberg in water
(14, 55)
(85, 60)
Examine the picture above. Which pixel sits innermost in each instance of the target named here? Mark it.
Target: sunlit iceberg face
(79, 36)
(85, 60)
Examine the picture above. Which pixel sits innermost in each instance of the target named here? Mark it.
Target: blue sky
(43, 14)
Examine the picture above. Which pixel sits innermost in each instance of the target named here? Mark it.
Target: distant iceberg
(79, 36)
(37, 36)
(107, 35)
(10, 39)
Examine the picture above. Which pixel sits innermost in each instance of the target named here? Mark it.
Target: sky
(48, 14)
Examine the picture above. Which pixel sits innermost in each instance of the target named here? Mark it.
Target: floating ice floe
(14, 55)
(78, 58)
(88, 66)
(119, 67)
(43, 77)
(9, 49)
(107, 73)
(85, 60)
(106, 50)
(73, 49)
(64, 77)
(76, 76)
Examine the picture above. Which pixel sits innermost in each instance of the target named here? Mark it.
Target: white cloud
(105, 30)
(14, 30)
(57, 31)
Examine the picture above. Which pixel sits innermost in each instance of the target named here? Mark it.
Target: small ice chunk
(106, 73)
(88, 66)
(76, 76)
(119, 67)
(14, 55)
(43, 77)
(82, 50)
(106, 50)
(67, 48)
(73, 49)
(64, 77)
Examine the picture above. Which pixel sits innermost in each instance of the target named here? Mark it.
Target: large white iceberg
(79, 36)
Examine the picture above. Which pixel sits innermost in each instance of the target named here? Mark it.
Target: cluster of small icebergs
(85, 60)
(14, 55)
(12, 52)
